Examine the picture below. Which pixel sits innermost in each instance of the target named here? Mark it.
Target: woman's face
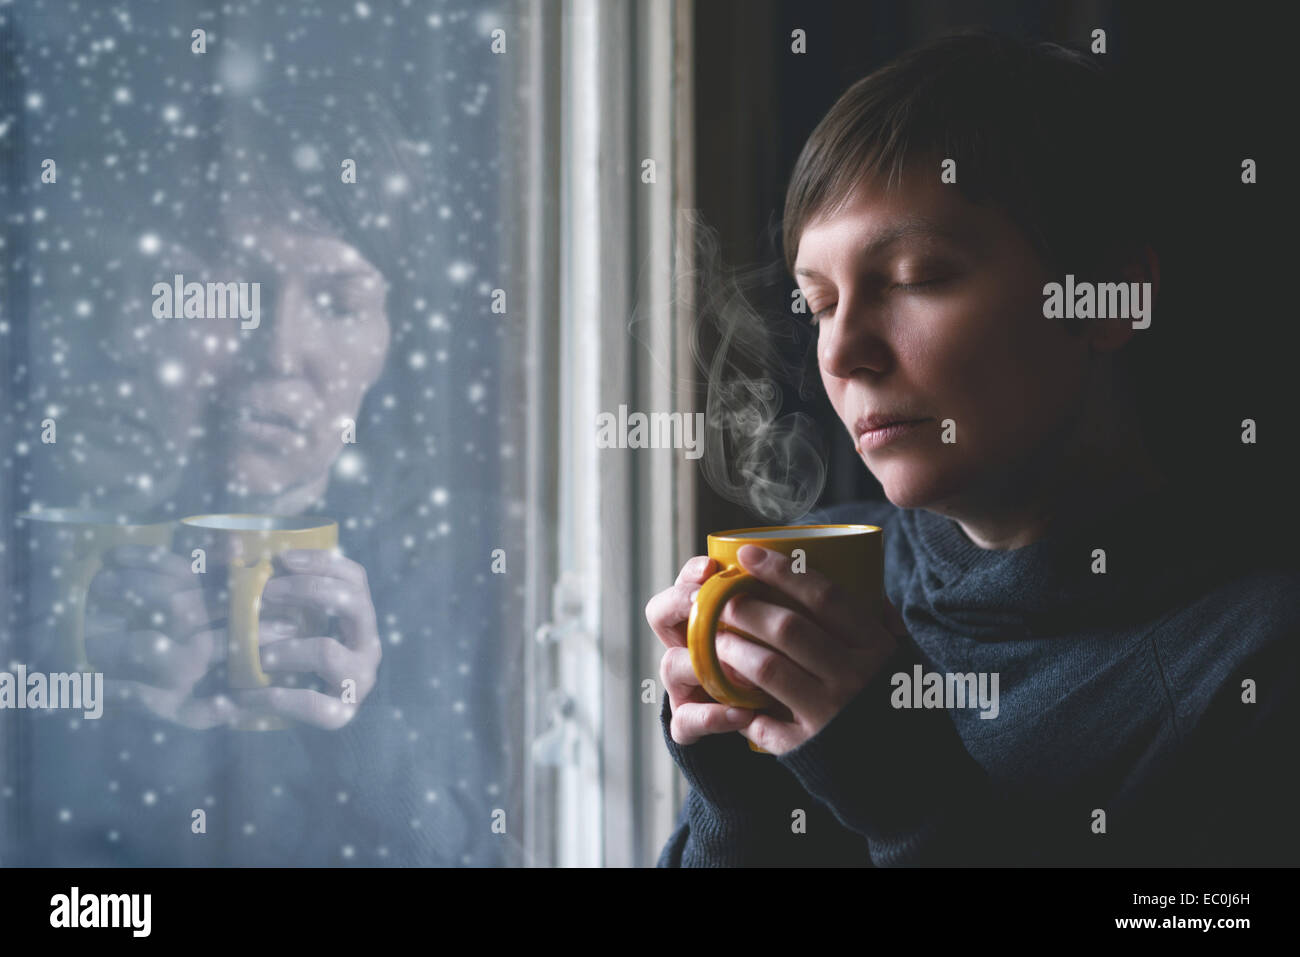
(300, 377)
(930, 308)
(259, 410)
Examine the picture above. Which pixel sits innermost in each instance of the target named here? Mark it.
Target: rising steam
(773, 464)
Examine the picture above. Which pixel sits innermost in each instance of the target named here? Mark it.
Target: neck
(1097, 462)
(291, 501)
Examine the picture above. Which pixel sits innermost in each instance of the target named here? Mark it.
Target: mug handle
(74, 633)
(243, 657)
(702, 633)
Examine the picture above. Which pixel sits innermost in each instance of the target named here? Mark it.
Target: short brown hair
(1042, 130)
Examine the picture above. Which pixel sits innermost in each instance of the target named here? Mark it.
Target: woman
(1030, 533)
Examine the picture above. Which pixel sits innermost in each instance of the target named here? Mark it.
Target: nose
(849, 341)
(288, 335)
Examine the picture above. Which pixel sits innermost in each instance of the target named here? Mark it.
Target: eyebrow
(887, 237)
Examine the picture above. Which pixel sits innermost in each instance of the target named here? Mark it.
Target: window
(382, 266)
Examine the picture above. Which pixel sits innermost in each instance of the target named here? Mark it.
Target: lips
(879, 420)
(881, 429)
(285, 412)
(264, 416)
(130, 422)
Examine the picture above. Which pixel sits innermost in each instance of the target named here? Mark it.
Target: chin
(915, 484)
(261, 474)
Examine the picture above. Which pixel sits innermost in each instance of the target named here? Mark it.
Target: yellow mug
(246, 544)
(851, 556)
(74, 543)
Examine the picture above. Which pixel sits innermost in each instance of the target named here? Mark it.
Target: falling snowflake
(171, 372)
(307, 158)
(349, 465)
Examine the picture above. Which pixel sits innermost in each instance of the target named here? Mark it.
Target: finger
(148, 656)
(668, 612)
(274, 630)
(678, 676)
(787, 631)
(331, 596)
(299, 704)
(98, 620)
(178, 611)
(326, 562)
(152, 557)
(770, 733)
(826, 602)
(178, 707)
(772, 672)
(681, 682)
(203, 713)
(333, 661)
(214, 643)
(692, 721)
(134, 586)
(696, 570)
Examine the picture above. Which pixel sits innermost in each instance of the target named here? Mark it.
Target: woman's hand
(149, 630)
(820, 657)
(694, 713)
(152, 635)
(329, 586)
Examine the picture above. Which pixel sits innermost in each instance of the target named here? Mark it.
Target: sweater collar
(1054, 586)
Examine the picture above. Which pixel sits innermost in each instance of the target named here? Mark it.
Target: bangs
(1009, 113)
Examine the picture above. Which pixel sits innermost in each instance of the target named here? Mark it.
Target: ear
(1140, 264)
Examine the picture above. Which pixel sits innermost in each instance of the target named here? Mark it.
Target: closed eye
(905, 286)
(348, 296)
(919, 285)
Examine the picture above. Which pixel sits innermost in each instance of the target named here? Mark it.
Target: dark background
(1218, 81)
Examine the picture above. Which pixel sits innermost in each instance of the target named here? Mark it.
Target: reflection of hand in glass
(329, 586)
(150, 631)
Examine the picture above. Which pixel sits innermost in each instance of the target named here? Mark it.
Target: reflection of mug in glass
(246, 544)
(69, 545)
(851, 556)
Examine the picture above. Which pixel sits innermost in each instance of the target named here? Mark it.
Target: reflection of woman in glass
(182, 416)
(227, 168)
(201, 414)
(268, 411)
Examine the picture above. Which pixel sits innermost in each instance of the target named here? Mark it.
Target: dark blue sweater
(1119, 692)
